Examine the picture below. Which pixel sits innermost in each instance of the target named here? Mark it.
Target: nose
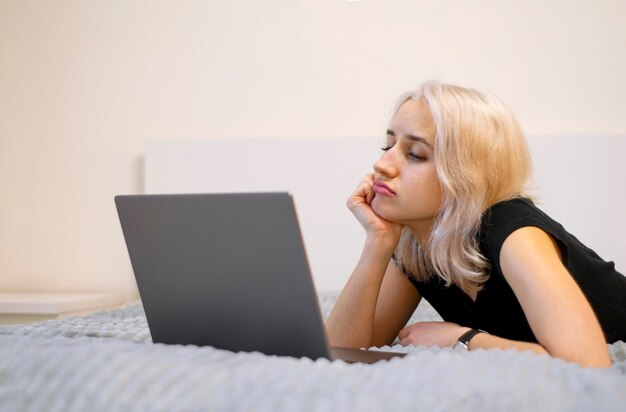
(385, 165)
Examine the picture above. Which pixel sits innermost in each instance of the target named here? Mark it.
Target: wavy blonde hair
(481, 158)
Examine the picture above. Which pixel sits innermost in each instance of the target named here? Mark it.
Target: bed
(106, 361)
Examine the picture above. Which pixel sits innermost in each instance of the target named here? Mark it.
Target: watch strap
(467, 336)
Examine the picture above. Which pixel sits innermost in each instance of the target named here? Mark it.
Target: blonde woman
(447, 219)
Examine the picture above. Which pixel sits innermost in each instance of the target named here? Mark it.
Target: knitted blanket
(107, 362)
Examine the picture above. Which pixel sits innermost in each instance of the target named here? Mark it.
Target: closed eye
(414, 156)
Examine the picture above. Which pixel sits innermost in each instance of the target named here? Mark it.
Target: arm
(377, 298)
(375, 304)
(397, 301)
(556, 309)
(445, 334)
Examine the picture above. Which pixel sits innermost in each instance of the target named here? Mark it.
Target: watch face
(460, 347)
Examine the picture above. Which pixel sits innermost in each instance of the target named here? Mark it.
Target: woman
(447, 219)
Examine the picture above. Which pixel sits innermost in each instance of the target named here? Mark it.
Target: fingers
(367, 182)
(363, 192)
(405, 337)
(367, 188)
(406, 340)
(369, 197)
(403, 333)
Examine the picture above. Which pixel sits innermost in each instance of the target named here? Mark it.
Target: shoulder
(504, 218)
(513, 209)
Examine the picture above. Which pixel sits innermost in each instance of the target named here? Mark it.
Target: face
(405, 178)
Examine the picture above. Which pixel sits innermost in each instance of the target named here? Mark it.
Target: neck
(421, 230)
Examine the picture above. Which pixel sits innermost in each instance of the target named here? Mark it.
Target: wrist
(464, 340)
(381, 241)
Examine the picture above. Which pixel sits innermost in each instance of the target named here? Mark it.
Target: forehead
(413, 118)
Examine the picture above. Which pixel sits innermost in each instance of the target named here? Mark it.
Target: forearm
(587, 359)
(485, 341)
(351, 322)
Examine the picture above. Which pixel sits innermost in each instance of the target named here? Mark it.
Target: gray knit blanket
(107, 362)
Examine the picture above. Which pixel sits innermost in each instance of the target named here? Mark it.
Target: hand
(441, 334)
(359, 204)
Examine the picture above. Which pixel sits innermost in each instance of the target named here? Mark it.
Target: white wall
(579, 181)
(83, 84)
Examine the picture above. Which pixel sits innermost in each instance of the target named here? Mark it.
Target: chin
(382, 211)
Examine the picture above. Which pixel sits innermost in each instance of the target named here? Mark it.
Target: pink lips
(382, 189)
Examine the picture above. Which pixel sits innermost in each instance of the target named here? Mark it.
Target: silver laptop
(229, 271)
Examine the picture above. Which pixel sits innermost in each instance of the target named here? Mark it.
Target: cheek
(428, 193)
(436, 198)
(436, 193)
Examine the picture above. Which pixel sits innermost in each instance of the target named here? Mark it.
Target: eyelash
(413, 156)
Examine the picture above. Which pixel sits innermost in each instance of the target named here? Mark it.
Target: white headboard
(579, 181)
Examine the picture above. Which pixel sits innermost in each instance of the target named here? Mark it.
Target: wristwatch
(462, 343)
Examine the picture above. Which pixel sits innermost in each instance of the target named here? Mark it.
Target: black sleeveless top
(497, 310)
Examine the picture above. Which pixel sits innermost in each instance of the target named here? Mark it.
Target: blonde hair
(481, 158)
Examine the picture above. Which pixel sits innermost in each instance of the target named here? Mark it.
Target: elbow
(345, 338)
(597, 358)
(595, 362)
(379, 342)
(587, 359)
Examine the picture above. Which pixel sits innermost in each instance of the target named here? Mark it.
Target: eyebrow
(411, 137)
